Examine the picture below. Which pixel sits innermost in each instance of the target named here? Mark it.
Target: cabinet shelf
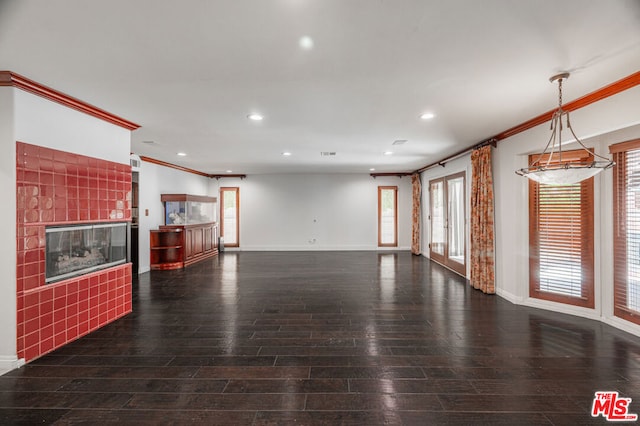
(175, 247)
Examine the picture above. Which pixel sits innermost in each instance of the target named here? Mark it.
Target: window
(561, 239)
(230, 216)
(447, 215)
(626, 226)
(387, 216)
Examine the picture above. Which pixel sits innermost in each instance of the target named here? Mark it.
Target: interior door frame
(394, 243)
(236, 191)
(444, 259)
(434, 255)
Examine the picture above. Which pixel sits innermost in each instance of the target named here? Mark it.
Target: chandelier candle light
(549, 167)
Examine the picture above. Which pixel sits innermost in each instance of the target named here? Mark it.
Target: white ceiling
(190, 72)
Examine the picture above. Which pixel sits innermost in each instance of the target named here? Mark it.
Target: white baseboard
(509, 296)
(623, 325)
(549, 306)
(562, 308)
(8, 363)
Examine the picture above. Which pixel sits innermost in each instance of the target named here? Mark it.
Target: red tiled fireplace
(58, 188)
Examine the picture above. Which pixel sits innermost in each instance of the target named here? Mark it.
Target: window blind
(561, 239)
(626, 214)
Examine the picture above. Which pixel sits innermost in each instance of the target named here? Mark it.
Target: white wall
(316, 212)
(155, 180)
(31, 119)
(615, 119)
(39, 121)
(8, 349)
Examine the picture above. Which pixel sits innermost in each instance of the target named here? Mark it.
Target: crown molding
(614, 88)
(172, 166)
(188, 170)
(8, 78)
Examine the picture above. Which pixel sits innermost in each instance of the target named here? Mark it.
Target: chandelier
(549, 167)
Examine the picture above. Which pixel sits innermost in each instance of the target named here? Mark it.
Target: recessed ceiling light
(255, 117)
(286, 154)
(427, 116)
(229, 171)
(182, 154)
(306, 43)
(372, 169)
(388, 153)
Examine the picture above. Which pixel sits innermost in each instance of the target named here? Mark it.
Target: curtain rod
(397, 174)
(493, 142)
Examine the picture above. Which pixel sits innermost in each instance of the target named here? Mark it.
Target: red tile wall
(56, 187)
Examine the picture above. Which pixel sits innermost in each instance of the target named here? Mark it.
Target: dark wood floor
(359, 338)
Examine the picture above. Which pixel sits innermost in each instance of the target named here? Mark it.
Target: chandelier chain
(560, 93)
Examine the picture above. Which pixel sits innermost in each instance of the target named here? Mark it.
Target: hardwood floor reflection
(358, 338)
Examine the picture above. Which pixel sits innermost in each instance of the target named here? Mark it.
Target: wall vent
(135, 162)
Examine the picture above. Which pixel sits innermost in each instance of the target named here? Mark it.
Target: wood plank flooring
(356, 338)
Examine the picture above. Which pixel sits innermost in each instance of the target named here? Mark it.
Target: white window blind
(560, 239)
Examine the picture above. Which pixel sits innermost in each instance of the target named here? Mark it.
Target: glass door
(447, 214)
(230, 216)
(438, 221)
(387, 216)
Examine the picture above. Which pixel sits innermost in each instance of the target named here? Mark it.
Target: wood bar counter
(177, 245)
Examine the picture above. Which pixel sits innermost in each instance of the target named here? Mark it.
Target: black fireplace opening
(73, 250)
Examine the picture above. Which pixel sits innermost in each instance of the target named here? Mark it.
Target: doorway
(135, 260)
(447, 215)
(230, 216)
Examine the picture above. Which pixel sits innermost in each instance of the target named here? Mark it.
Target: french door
(447, 214)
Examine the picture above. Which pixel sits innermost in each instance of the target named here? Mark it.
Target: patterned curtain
(415, 218)
(482, 231)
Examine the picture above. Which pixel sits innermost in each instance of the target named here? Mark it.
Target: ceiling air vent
(399, 142)
(328, 154)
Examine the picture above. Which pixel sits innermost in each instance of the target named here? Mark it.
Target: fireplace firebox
(79, 249)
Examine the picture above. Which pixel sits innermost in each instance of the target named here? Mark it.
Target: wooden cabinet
(190, 232)
(177, 246)
(167, 248)
(200, 241)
